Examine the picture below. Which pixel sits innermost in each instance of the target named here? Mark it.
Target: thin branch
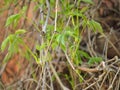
(111, 86)
(56, 10)
(69, 61)
(88, 69)
(48, 14)
(58, 79)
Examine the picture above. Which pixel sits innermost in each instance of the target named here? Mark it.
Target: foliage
(71, 23)
(94, 60)
(14, 19)
(12, 41)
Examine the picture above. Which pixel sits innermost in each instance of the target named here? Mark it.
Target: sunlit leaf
(4, 44)
(40, 47)
(24, 9)
(96, 26)
(7, 57)
(61, 40)
(68, 33)
(7, 1)
(12, 19)
(58, 39)
(63, 43)
(11, 38)
(20, 31)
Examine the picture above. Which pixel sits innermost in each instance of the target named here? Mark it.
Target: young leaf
(68, 33)
(27, 55)
(63, 42)
(4, 44)
(23, 9)
(58, 39)
(7, 1)
(96, 26)
(84, 54)
(11, 38)
(12, 19)
(94, 60)
(14, 46)
(84, 9)
(7, 57)
(40, 47)
(20, 31)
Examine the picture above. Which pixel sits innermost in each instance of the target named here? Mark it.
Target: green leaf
(94, 60)
(68, 33)
(75, 13)
(54, 45)
(63, 43)
(14, 46)
(61, 40)
(11, 38)
(27, 55)
(96, 26)
(7, 57)
(84, 54)
(79, 55)
(40, 47)
(58, 39)
(20, 31)
(12, 19)
(31, 53)
(88, 1)
(84, 9)
(24, 9)
(4, 44)
(42, 1)
(7, 1)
